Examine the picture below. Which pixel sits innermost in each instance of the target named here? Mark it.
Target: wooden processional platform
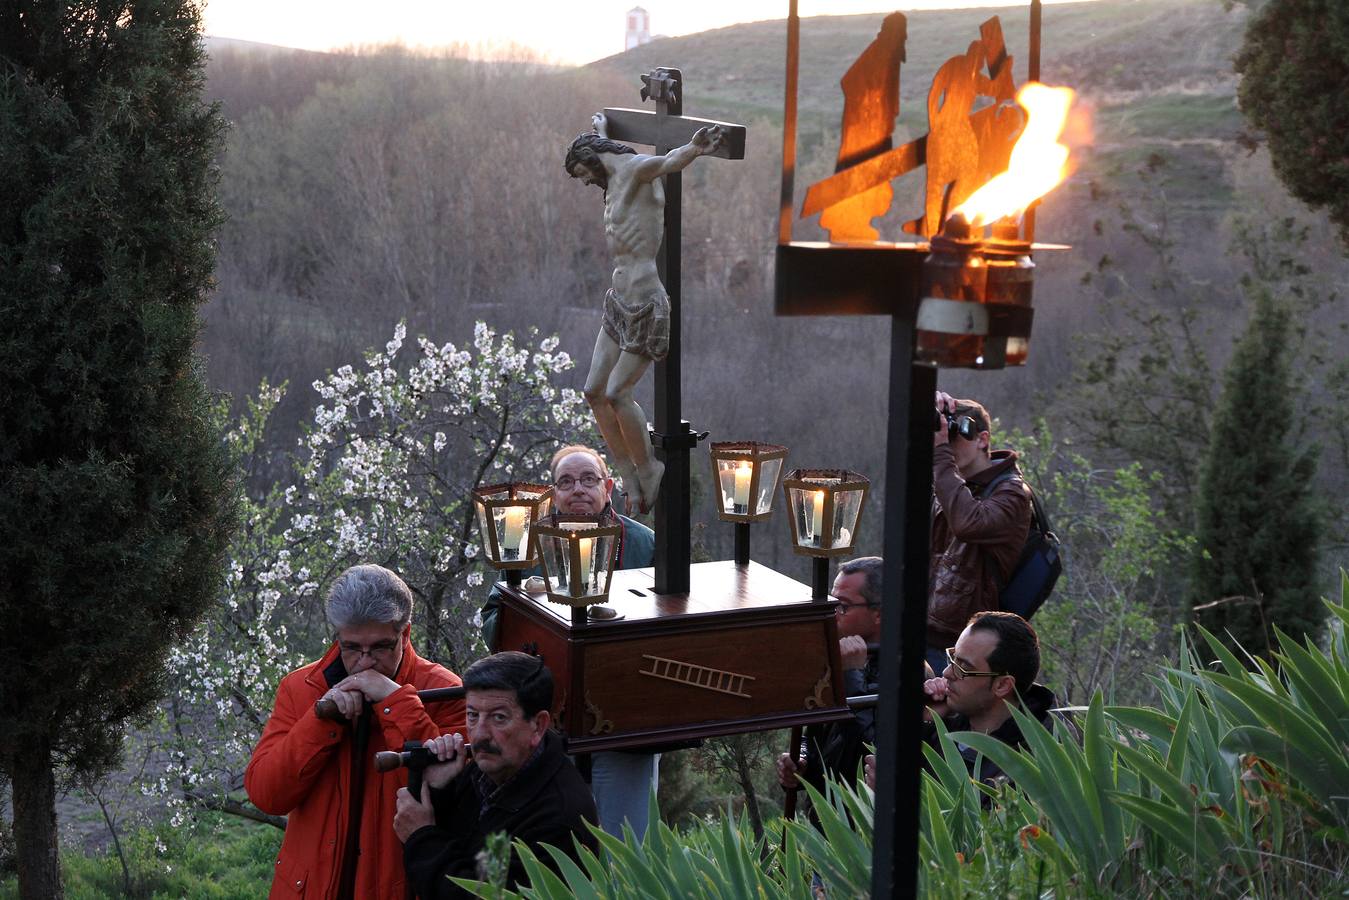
(746, 649)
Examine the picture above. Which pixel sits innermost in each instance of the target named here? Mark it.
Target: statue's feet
(627, 476)
(648, 477)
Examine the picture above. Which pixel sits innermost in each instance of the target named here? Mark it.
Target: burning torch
(976, 308)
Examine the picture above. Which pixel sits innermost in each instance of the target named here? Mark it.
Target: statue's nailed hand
(599, 123)
(709, 139)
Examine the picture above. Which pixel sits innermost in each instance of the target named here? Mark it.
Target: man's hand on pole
(374, 686)
(411, 815)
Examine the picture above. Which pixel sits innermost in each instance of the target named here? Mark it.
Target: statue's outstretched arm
(705, 141)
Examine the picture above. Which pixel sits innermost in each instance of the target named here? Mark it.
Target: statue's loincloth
(642, 328)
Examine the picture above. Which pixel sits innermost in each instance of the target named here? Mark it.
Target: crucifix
(637, 328)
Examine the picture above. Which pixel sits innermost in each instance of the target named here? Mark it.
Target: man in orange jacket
(339, 842)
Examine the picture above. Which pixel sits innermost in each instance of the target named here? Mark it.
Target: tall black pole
(908, 503)
(742, 543)
(673, 438)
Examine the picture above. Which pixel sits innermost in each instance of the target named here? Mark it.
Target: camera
(955, 425)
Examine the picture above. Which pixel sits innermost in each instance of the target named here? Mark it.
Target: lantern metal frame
(572, 529)
(756, 454)
(489, 498)
(831, 482)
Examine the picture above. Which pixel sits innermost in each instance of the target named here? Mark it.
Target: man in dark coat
(1003, 648)
(977, 533)
(991, 668)
(836, 748)
(621, 779)
(519, 781)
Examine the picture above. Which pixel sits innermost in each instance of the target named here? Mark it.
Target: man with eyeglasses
(622, 780)
(836, 748)
(518, 780)
(991, 668)
(981, 513)
(320, 773)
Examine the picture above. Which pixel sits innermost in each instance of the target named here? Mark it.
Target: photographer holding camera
(977, 533)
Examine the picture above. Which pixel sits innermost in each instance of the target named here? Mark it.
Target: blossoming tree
(384, 473)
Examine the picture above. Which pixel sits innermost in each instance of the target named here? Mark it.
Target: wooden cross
(673, 437)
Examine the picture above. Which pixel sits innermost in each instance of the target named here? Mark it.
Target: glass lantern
(578, 555)
(747, 474)
(824, 507)
(507, 516)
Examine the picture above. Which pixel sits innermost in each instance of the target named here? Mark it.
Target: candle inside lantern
(514, 531)
(817, 518)
(742, 479)
(587, 561)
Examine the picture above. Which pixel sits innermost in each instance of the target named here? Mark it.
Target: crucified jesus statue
(636, 324)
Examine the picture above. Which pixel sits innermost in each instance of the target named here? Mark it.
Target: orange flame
(1038, 162)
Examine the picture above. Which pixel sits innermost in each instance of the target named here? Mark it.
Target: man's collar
(521, 787)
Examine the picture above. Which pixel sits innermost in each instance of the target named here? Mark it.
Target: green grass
(1171, 117)
(218, 857)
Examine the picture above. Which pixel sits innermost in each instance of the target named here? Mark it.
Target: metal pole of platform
(742, 543)
(908, 503)
(819, 578)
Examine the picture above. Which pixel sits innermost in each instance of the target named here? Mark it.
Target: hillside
(1117, 52)
(365, 188)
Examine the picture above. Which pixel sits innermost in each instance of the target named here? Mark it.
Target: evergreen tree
(115, 490)
(1258, 523)
(1294, 65)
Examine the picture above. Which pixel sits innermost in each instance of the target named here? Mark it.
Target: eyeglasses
(961, 671)
(844, 607)
(566, 483)
(382, 650)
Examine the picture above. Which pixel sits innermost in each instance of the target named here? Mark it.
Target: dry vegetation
(363, 188)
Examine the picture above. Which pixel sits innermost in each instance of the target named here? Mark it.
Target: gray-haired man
(338, 841)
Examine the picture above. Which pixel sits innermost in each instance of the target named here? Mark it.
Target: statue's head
(583, 158)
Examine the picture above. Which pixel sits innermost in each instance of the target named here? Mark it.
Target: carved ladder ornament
(718, 680)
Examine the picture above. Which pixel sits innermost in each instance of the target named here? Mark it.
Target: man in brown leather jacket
(977, 533)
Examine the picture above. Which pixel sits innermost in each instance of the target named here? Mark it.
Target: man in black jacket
(519, 782)
(836, 748)
(991, 668)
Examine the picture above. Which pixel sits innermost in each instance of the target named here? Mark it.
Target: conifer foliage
(1258, 524)
(115, 492)
(1295, 87)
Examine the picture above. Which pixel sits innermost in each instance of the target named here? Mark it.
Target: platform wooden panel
(745, 650)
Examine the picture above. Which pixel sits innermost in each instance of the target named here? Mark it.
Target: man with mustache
(519, 781)
(622, 779)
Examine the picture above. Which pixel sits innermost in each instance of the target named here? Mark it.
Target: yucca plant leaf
(1318, 686)
(627, 864)
(1190, 832)
(489, 892)
(1324, 778)
(1062, 798)
(594, 866)
(1156, 773)
(1155, 725)
(577, 881)
(1299, 728)
(1098, 746)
